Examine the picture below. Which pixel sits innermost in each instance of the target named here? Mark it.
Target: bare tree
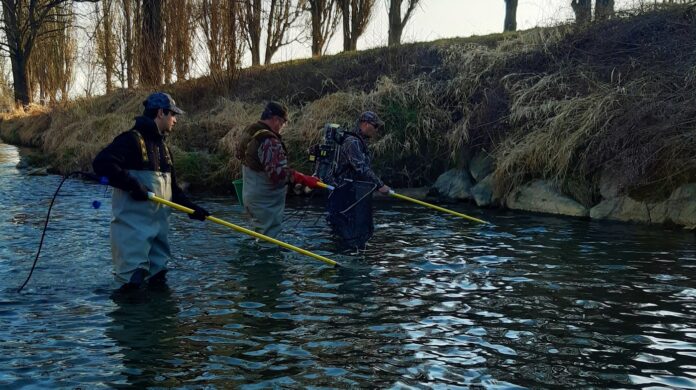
(178, 39)
(51, 67)
(396, 21)
(251, 27)
(282, 16)
(221, 32)
(211, 22)
(604, 9)
(231, 32)
(323, 22)
(356, 16)
(22, 23)
(510, 15)
(6, 94)
(150, 63)
(130, 10)
(105, 39)
(582, 10)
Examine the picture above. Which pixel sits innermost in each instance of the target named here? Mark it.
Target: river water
(436, 302)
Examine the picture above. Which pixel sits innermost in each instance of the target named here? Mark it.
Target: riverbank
(595, 122)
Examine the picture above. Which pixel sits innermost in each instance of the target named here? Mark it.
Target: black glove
(199, 213)
(139, 192)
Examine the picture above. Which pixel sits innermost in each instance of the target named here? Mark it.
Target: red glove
(309, 181)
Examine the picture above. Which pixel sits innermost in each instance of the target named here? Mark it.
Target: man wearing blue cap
(350, 204)
(138, 161)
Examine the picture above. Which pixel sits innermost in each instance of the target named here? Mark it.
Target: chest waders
(264, 202)
(349, 209)
(139, 229)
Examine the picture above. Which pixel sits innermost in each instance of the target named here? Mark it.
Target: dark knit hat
(275, 109)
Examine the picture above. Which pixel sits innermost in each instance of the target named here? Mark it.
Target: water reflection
(144, 327)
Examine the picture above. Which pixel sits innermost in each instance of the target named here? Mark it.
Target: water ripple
(435, 302)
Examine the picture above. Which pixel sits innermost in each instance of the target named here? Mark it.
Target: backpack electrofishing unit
(325, 155)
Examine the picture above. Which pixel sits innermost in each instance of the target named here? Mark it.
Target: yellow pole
(432, 206)
(324, 185)
(420, 202)
(240, 229)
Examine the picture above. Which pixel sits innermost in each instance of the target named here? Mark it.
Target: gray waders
(264, 202)
(139, 229)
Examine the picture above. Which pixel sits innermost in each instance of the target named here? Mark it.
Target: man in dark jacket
(350, 204)
(138, 161)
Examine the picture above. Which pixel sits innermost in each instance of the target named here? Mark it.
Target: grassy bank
(565, 103)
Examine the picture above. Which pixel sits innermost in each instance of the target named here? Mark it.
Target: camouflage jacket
(273, 158)
(354, 161)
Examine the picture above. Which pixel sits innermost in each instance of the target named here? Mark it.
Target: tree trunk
(231, 36)
(604, 9)
(105, 40)
(252, 26)
(323, 19)
(356, 16)
(280, 22)
(151, 48)
(316, 40)
(396, 21)
(20, 79)
(18, 54)
(128, 38)
(511, 15)
(316, 12)
(344, 6)
(23, 24)
(251, 14)
(395, 27)
(268, 53)
(357, 24)
(582, 10)
(178, 49)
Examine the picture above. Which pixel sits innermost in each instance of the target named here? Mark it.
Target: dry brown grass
(615, 97)
(559, 103)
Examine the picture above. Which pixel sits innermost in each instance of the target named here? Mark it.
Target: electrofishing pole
(420, 202)
(240, 229)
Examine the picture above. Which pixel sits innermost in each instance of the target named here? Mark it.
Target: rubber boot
(158, 280)
(135, 282)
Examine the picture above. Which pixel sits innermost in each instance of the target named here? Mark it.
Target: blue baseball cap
(371, 117)
(161, 100)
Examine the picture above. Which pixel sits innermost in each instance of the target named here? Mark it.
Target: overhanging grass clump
(617, 97)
